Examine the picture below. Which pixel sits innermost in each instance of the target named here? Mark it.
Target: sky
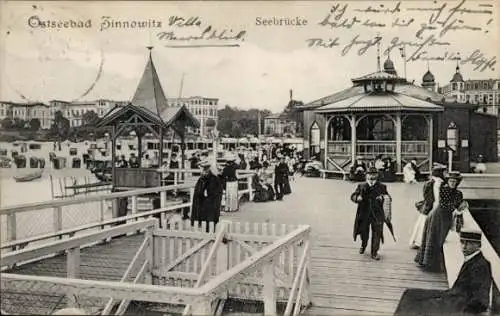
(44, 63)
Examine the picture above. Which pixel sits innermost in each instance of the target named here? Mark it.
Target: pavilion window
(452, 136)
(339, 129)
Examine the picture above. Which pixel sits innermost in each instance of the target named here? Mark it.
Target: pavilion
(148, 112)
(383, 114)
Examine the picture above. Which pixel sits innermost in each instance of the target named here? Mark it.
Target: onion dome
(389, 67)
(428, 77)
(457, 77)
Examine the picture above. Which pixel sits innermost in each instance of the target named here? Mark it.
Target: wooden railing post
(11, 227)
(191, 198)
(134, 204)
(269, 290)
(202, 307)
(163, 202)
(176, 181)
(102, 210)
(148, 277)
(57, 219)
(250, 189)
(73, 272)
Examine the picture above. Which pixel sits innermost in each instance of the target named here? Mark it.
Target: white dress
(418, 229)
(409, 173)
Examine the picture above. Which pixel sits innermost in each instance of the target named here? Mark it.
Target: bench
(454, 259)
(324, 172)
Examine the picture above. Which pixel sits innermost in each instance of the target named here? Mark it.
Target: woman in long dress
(409, 173)
(231, 184)
(439, 221)
(430, 201)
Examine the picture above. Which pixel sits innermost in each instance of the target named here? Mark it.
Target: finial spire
(378, 56)
(458, 59)
(291, 94)
(428, 69)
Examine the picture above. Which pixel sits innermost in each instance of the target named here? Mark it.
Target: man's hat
(454, 175)
(372, 170)
(204, 164)
(472, 235)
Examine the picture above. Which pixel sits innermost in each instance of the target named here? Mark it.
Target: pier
(303, 245)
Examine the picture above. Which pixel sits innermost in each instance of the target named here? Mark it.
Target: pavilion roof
(400, 88)
(150, 103)
(378, 75)
(373, 101)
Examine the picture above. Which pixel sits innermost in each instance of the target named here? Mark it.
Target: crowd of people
(440, 211)
(270, 182)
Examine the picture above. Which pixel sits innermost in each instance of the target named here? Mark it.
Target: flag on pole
(402, 50)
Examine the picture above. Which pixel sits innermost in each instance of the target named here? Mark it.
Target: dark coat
(428, 197)
(281, 173)
(370, 209)
(469, 295)
(229, 173)
(207, 199)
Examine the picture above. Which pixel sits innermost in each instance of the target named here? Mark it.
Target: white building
(74, 111)
(27, 112)
(202, 108)
(485, 92)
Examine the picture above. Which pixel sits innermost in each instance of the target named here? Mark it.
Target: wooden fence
(194, 268)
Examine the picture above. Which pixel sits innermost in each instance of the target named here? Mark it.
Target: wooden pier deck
(343, 282)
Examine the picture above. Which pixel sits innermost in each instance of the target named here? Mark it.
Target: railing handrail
(120, 290)
(6, 210)
(76, 229)
(14, 257)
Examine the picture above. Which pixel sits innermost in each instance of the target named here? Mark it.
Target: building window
(452, 136)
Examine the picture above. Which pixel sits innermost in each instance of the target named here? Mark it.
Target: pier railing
(23, 224)
(481, 191)
(35, 222)
(183, 265)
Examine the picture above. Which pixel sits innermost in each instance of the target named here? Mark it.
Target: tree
(7, 123)
(235, 122)
(19, 123)
(34, 124)
(60, 127)
(90, 118)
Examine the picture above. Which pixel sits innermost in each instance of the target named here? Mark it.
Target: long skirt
(232, 196)
(418, 231)
(437, 225)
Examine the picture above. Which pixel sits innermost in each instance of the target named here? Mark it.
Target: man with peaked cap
(370, 212)
(206, 197)
(470, 293)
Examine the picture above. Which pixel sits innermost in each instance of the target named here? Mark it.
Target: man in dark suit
(207, 197)
(280, 178)
(470, 293)
(370, 213)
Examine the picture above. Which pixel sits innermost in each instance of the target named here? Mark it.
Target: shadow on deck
(107, 261)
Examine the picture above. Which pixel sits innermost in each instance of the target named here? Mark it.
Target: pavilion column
(398, 142)
(352, 120)
(431, 136)
(113, 154)
(160, 148)
(327, 122)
